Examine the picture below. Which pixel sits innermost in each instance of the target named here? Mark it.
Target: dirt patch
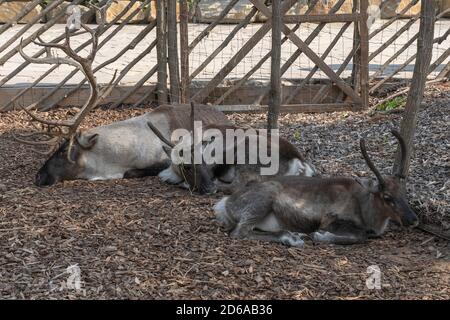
(144, 239)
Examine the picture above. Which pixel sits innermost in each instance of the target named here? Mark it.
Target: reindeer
(124, 149)
(330, 210)
(229, 175)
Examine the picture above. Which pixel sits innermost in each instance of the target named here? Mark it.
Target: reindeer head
(389, 198)
(65, 163)
(197, 176)
(62, 135)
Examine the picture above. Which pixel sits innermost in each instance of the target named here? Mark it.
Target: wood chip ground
(143, 239)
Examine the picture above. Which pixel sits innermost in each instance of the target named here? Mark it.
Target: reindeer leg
(152, 170)
(292, 239)
(328, 237)
(340, 232)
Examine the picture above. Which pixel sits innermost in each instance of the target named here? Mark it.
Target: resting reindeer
(123, 149)
(332, 210)
(230, 173)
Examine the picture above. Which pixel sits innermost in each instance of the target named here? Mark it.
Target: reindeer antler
(362, 144)
(160, 135)
(163, 138)
(66, 129)
(403, 150)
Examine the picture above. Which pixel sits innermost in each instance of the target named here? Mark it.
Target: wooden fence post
(415, 95)
(364, 53)
(184, 51)
(275, 76)
(172, 43)
(161, 51)
(356, 69)
(360, 71)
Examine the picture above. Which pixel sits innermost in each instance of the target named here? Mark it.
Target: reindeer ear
(370, 184)
(86, 141)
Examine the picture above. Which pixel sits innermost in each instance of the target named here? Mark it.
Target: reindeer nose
(208, 190)
(411, 222)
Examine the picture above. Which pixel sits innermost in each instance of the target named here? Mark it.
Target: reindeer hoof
(293, 239)
(323, 236)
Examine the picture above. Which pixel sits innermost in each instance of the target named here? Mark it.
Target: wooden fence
(381, 79)
(347, 94)
(172, 59)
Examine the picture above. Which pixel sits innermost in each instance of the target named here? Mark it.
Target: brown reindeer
(332, 210)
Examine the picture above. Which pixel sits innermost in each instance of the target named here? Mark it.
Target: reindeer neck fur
(371, 210)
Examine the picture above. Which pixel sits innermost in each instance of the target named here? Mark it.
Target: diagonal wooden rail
(245, 49)
(45, 103)
(311, 55)
(35, 34)
(316, 68)
(43, 51)
(29, 6)
(247, 76)
(314, 34)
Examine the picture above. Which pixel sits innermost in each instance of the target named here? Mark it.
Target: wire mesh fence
(217, 31)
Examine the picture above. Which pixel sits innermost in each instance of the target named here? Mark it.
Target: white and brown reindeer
(123, 149)
(230, 173)
(331, 210)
